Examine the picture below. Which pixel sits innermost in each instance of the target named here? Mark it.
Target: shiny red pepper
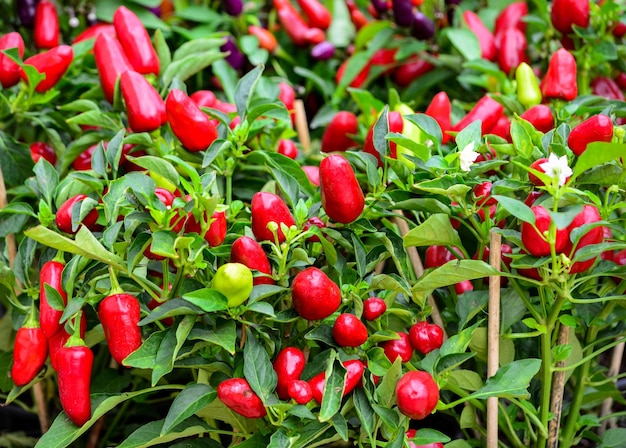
(60, 338)
(511, 45)
(248, 252)
(9, 70)
(482, 33)
(354, 375)
(267, 207)
(396, 124)
(292, 22)
(266, 39)
(541, 117)
(46, 32)
(356, 15)
(341, 195)
(502, 128)
(30, 351)
(440, 109)
(136, 41)
(93, 31)
(144, 106)
(512, 17)
(52, 63)
(42, 150)
(411, 70)
(289, 364)
(597, 128)
(607, 88)
(487, 110)
(120, 315)
(111, 62)
(217, 229)
(339, 132)
(74, 366)
(50, 274)
(560, 78)
(316, 13)
(64, 214)
(567, 13)
(194, 128)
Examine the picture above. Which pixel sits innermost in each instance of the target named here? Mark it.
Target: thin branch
(493, 331)
(556, 399)
(302, 126)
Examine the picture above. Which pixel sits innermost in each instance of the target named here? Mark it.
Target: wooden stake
(614, 368)
(302, 126)
(493, 331)
(418, 268)
(39, 396)
(556, 398)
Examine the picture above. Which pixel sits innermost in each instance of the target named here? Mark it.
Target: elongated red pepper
(440, 109)
(341, 194)
(52, 63)
(607, 88)
(339, 132)
(560, 78)
(64, 214)
(597, 128)
(190, 125)
(248, 252)
(74, 366)
(487, 110)
(46, 32)
(316, 13)
(9, 70)
(512, 17)
(266, 39)
(136, 41)
(567, 13)
(540, 116)
(356, 15)
(267, 207)
(482, 33)
(30, 351)
(511, 45)
(354, 375)
(120, 315)
(111, 62)
(60, 338)
(292, 22)
(50, 274)
(411, 70)
(144, 106)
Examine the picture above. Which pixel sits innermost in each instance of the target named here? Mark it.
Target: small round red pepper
(597, 128)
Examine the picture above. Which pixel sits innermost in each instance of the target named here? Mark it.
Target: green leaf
(425, 436)
(381, 129)
(207, 299)
(386, 391)
(245, 89)
(511, 380)
(145, 356)
(151, 433)
(187, 403)
(341, 31)
(169, 348)
(163, 50)
(436, 230)
(516, 208)
(217, 147)
(15, 160)
(364, 410)
(189, 66)
(465, 42)
(598, 153)
(171, 308)
(195, 46)
(428, 126)
(447, 185)
(258, 369)
(333, 390)
(465, 379)
(223, 335)
(159, 166)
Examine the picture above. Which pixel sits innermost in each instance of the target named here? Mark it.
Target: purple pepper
(236, 59)
(323, 50)
(380, 5)
(402, 12)
(233, 7)
(26, 11)
(422, 28)
(156, 10)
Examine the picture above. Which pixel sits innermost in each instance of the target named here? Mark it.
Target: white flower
(467, 156)
(557, 167)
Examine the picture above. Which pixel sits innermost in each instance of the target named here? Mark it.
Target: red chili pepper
(425, 337)
(30, 351)
(503, 128)
(74, 366)
(289, 364)
(396, 124)
(567, 13)
(120, 315)
(358, 80)
(314, 221)
(400, 347)
(268, 207)
(354, 375)
(288, 148)
(136, 41)
(42, 150)
(316, 13)
(144, 106)
(314, 295)
(266, 39)
(373, 308)
(560, 78)
(541, 117)
(533, 240)
(204, 98)
(250, 253)
(482, 33)
(511, 45)
(588, 215)
(339, 132)
(217, 229)
(512, 17)
(52, 63)
(607, 88)
(64, 215)
(111, 62)
(411, 70)
(597, 128)
(621, 80)
(341, 194)
(292, 22)
(194, 128)
(46, 32)
(50, 274)
(94, 31)
(60, 338)
(300, 391)
(9, 70)
(356, 15)
(237, 395)
(349, 331)
(487, 110)
(440, 109)
(312, 173)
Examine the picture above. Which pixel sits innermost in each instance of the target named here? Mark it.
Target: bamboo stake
(556, 399)
(302, 126)
(418, 268)
(40, 400)
(493, 331)
(614, 368)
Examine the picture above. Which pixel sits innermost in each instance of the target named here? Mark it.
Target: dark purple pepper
(26, 11)
(236, 59)
(156, 10)
(323, 50)
(422, 28)
(402, 12)
(233, 7)
(380, 5)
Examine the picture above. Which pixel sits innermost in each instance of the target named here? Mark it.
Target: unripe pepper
(30, 351)
(567, 13)
(50, 274)
(266, 39)
(268, 207)
(250, 253)
(482, 33)
(46, 32)
(339, 132)
(136, 41)
(511, 45)
(440, 109)
(52, 63)
(74, 366)
(354, 376)
(9, 70)
(120, 315)
(194, 128)
(111, 62)
(235, 58)
(597, 128)
(316, 13)
(292, 22)
(528, 92)
(144, 106)
(422, 27)
(314, 295)
(540, 116)
(487, 110)
(341, 194)
(238, 396)
(560, 78)
(289, 364)
(512, 17)
(64, 215)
